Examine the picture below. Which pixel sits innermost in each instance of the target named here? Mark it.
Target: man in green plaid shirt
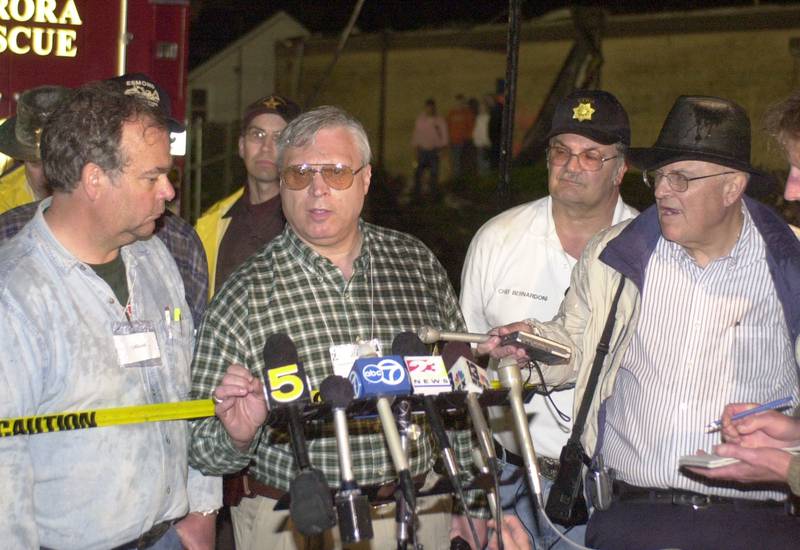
(329, 280)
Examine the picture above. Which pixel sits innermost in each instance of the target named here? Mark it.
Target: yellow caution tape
(59, 422)
(99, 418)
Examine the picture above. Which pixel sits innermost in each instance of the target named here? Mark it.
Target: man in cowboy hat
(240, 224)
(757, 441)
(708, 313)
(19, 139)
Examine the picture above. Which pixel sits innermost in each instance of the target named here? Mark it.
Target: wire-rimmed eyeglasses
(338, 176)
(677, 181)
(590, 160)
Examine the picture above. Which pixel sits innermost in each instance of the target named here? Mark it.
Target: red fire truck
(69, 42)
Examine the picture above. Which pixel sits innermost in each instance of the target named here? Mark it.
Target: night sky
(216, 23)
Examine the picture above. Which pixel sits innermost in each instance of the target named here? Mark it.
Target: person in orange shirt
(460, 123)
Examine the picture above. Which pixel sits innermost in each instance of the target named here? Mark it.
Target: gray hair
(622, 153)
(622, 149)
(302, 130)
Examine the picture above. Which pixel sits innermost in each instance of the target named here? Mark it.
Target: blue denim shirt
(100, 487)
(178, 235)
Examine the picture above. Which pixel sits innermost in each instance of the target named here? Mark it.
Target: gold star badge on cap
(273, 102)
(583, 112)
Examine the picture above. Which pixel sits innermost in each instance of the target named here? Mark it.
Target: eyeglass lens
(337, 176)
(676, 181)
(590, 161)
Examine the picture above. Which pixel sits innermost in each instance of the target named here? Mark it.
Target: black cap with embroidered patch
(594, 114)
(271, 104)
(141, 85)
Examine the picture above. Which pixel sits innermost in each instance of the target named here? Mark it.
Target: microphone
(380, 377)
(510, 377)
(537, 347)
(430, 335)
(352, 508)
(428, 378)
(311, 506)
(470, 378)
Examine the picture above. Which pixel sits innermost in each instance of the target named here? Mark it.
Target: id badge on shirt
(136, 344)
(344, 355)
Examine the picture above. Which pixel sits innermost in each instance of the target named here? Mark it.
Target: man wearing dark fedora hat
(519, 263)
(705, 288)
(19, 139)
(758, 441)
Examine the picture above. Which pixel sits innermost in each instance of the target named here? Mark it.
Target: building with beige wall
(220, 88)
(750, 55)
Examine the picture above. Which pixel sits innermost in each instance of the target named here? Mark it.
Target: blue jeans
(170, 541)
(457, 159)
(516, 500)
(427, 160)
(484, 166)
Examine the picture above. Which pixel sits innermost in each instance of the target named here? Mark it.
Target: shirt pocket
(178, 355)
(761, 357)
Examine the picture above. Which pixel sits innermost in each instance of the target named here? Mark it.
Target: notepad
(715, 461)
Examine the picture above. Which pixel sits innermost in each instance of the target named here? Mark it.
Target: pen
(176, 318)
(167, 320)
(776, 404)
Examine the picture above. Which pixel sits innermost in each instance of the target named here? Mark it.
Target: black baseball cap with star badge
(594, 114)
(271, 104)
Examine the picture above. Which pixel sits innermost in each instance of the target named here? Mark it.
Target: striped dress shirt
(706, 337)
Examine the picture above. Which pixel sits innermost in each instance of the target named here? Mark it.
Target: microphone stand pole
(404, 515)
(503, 190)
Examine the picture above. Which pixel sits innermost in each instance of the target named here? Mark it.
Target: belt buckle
(697, 502)
(386, 491)
(548, 467)
(246, 485)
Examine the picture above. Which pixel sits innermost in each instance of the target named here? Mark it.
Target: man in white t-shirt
(519, 263)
